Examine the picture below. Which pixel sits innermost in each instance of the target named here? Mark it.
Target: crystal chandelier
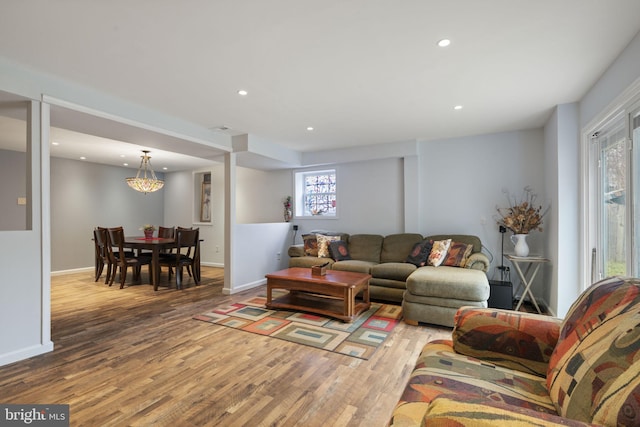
(145, 180)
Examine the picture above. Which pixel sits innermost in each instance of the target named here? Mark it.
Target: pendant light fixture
(145, 180)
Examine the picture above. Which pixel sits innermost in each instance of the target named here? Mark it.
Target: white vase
(520, 243)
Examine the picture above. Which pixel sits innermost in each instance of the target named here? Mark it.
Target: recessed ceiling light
(83, 158)
(55, 143)
(444, 42)
(458, 107)
(243, 92)
(165, 168)
(309, 128)
(125, 164)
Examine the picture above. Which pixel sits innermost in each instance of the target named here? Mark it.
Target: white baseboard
(71, 271)
(212, 264)
(25, 353)
(246, 286)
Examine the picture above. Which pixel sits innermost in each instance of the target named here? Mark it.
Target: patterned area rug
(358, 339)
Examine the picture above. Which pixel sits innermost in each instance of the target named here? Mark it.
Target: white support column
(229, 222)
(45, 215)
(411, 195)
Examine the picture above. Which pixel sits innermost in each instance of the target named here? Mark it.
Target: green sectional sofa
(506, 368)
(428, 294)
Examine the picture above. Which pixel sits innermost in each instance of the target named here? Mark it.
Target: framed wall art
(205, 199)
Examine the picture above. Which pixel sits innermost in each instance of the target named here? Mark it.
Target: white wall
(179, 210)
(562, 184)
(462, 183)
(258, 249)
(620, 75)
(370, 200)
(260, 194)
(178, 199)
(13, 184)
(86, 195)
(25, 321)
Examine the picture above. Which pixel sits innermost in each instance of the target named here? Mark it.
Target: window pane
(614, 185)
(319, 193)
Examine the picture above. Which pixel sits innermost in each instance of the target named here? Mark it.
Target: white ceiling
(360, 72)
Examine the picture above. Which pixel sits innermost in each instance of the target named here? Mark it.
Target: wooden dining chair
(166, 232)
(102, 256)
(188, 267)
(187, 254)
(122, 259)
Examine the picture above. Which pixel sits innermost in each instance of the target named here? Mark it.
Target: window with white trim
(316, 193)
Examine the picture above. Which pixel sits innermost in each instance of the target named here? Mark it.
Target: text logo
(34, 415)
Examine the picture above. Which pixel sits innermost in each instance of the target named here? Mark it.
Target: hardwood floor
(135, 357)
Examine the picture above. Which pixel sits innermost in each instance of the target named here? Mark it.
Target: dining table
(157, 245)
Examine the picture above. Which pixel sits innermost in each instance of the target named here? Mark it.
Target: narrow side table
(533, 264)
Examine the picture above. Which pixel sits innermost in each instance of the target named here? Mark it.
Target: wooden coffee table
(340, 294)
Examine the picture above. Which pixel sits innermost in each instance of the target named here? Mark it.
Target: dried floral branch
(522, 216)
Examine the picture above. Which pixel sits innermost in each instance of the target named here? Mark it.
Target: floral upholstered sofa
(400, 271)
(518, 369)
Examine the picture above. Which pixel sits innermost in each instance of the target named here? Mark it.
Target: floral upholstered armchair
(511, 368)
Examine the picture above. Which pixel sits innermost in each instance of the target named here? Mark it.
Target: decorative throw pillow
(310, 244)
(458, 254)
(420, 253)
(323, 244)
(339, 250)
(438, 252)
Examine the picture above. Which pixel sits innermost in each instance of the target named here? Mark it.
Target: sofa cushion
(354, 265)
(478, 261)
(462, 238)
(296, 250)
(594, 371)
(343, 236)
(323, 245)
(388, 283)
(440, 371)
(308, 261)
(419, 253)
(458, 254)
(522, 341)
(396, 247)
(393, 270)
(310, 242)
(449, 282)
(366, 247)
(339, 250)
(449, 306)
(438, 252)
(455, 410)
